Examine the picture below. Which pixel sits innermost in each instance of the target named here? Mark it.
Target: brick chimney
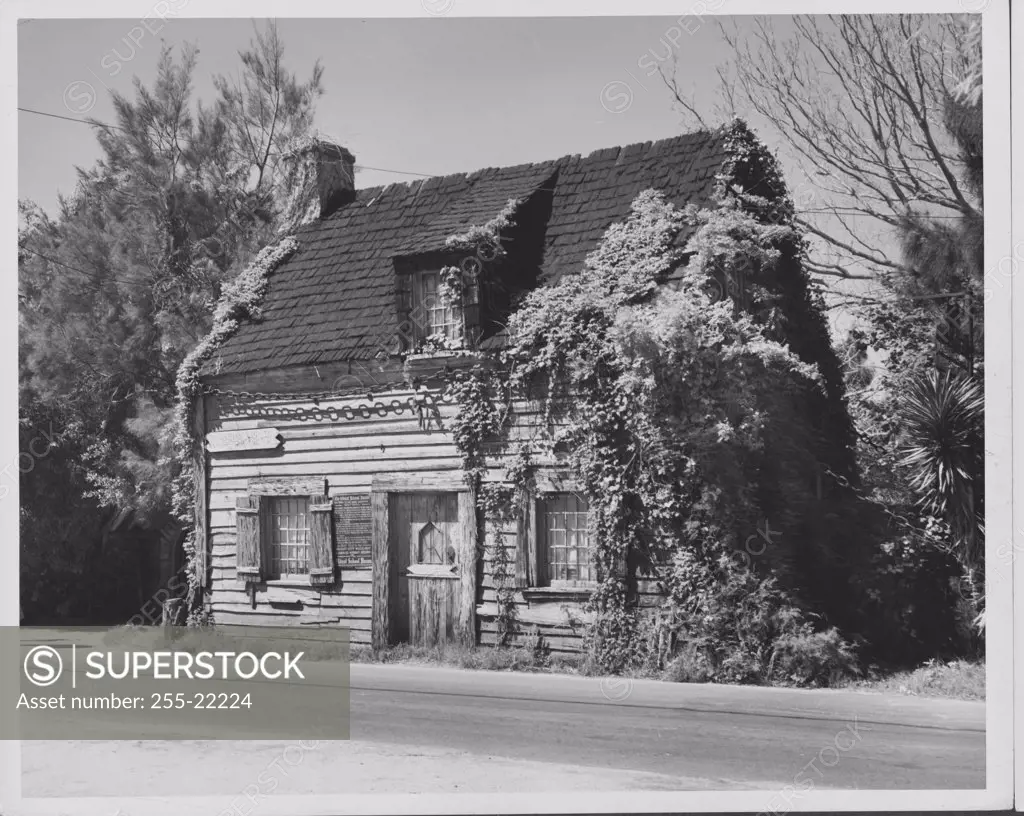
(320, 177)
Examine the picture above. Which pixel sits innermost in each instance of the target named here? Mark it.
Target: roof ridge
(473, 176)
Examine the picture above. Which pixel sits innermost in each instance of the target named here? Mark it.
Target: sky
(427, 96)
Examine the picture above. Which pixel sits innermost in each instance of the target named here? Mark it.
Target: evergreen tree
(119, 285)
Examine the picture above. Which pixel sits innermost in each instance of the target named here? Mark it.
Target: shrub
(619, 642)
(958, 679)
(535, 649)
(813, 659)
(910, 602)
(738, 626)
(691, 665)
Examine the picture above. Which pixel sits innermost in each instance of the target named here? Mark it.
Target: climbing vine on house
(663, 399)
(479, 426)
(240, 301)
(484, 406)
(497, 504)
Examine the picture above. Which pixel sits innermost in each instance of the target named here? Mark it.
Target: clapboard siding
(357, 637)
(377, 457)
(555, 639)
(311, 614)
(349, 606)
(351, 591)
(366, 466)
(348, 454)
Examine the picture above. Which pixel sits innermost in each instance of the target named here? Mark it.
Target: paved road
(609, 734)
(725, 734)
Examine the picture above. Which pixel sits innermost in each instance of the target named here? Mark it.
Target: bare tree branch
(859, 101)
(682, 101)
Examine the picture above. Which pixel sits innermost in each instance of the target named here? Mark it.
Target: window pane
(432, 545)
(566, 538)
(430, 314)
(289, 535)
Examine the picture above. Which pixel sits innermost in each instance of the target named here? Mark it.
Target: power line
(842, 214)
(97, 123)
(93, 123)
(386, 170)
(92, 277)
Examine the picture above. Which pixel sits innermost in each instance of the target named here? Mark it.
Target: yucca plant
(943, 416)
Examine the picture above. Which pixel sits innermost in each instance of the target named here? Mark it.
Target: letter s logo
(39, 665)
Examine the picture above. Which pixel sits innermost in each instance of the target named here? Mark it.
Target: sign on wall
(244, 440)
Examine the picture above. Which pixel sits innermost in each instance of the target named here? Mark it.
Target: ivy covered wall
(705, 421)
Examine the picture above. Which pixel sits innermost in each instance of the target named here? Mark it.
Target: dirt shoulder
(255, 770)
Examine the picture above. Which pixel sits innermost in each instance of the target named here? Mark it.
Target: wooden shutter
(248, 549)
(321, 541)
(403, 293)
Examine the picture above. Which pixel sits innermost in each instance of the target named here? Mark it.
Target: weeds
(533, 655)
(957, 679)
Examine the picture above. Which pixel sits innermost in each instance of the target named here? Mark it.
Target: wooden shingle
(335, 297)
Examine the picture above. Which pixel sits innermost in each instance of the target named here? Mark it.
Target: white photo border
(999, 420)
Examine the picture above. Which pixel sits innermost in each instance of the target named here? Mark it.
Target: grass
(488, 658)
(957, 679)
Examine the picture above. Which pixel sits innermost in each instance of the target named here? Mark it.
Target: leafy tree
(119, 285)
(936, 344)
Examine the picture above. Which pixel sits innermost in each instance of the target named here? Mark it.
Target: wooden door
(424, 533)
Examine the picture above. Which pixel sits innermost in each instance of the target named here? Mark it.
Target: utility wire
(97, 123)
(92, 276)
(70, 119)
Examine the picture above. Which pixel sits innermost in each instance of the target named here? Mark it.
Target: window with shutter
(285, 531)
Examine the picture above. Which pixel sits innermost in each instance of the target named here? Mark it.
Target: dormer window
(426, 317)
(437, 303)
(431, 314)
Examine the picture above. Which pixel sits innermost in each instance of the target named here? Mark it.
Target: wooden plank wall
(560, 622)
(348, 453)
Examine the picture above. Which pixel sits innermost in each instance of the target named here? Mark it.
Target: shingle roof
(333, 298)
